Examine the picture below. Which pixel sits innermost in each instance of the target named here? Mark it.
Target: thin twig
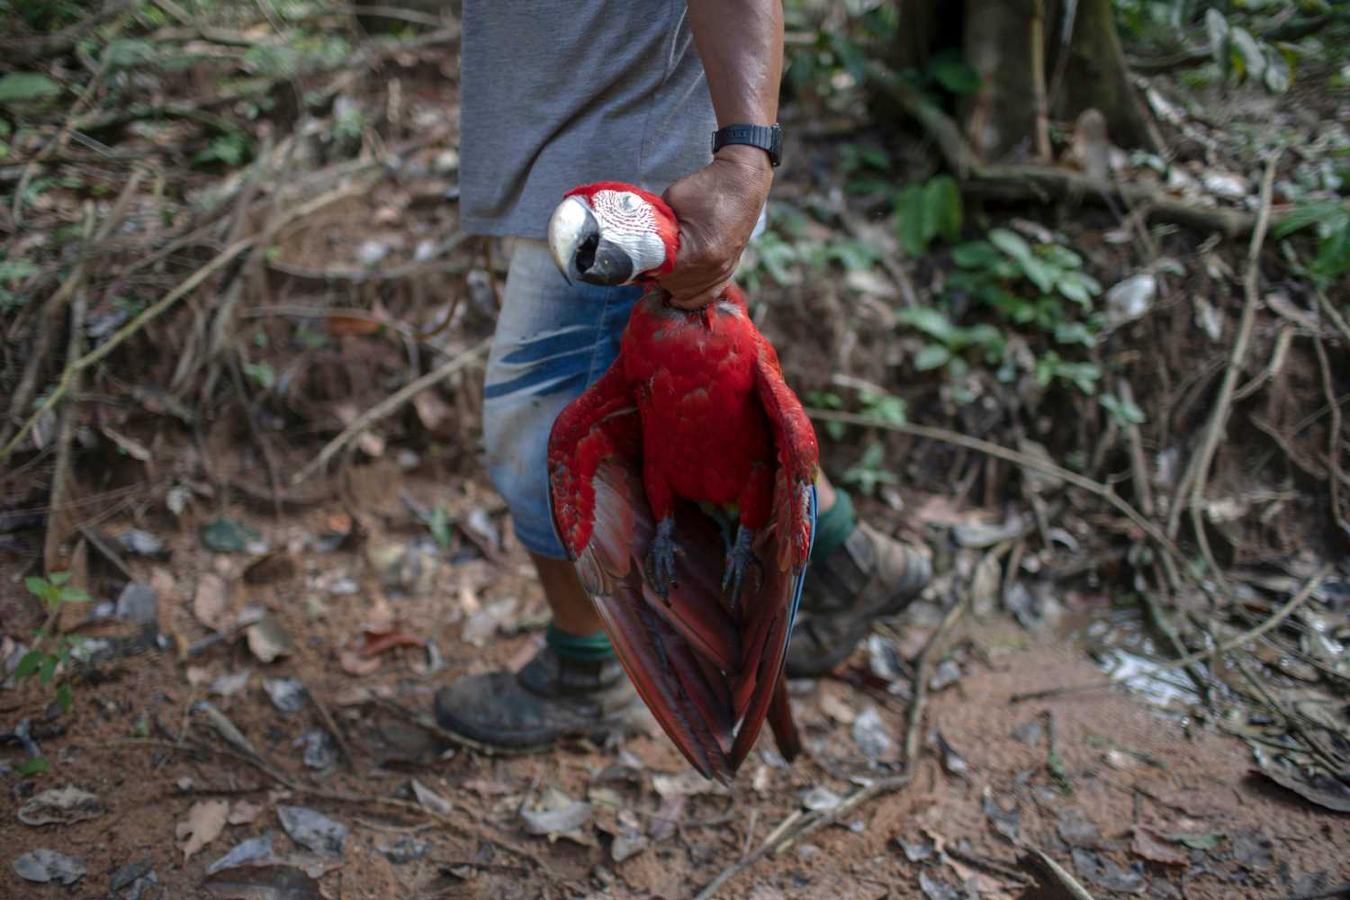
(1330, 311)
(389, 405)
(58, 525)
(1333, 439)
(1224, 404)
(924, 674)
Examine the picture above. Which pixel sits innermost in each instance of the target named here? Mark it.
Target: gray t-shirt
(557, 93)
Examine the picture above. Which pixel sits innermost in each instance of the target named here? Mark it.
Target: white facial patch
(629, 222)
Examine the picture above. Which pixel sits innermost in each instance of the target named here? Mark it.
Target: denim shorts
(552, 341)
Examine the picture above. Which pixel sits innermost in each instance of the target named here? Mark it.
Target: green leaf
(1125, 413)
(65, 697)
(47, 669)
(28, 663)
(36, 586)
(1011, 243)
(438, 523)
(27, 87)
(13, 271)
(1249, 58)
(1309, 214)
(226, 536)
(975, 255)
(1074, 286)
(1217, 28)
(1333, 255)
(1015, 247)
(955, 74)
(928, 320)
(911, 224)
(932, 356)
(35, 766)
(127, 53)
(1206, 841)
(942, 205)
(262, 374)
(59, 578)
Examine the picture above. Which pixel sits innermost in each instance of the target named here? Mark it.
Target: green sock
(833, 527)
(580, 647)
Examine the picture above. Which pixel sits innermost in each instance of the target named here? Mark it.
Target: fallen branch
(389, 405)
(1224, 404)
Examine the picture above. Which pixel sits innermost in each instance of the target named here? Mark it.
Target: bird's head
(612, 233)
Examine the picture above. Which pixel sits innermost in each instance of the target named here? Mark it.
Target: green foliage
(828, 400)
(14, 272)
(50, 653)
(1123, 411)
(1330, 221)
(950, 344)
(869, 473)
(792, 246)
(1037, 288)
(261, 374)
(27, 87)
(232, 148)
(928, 211)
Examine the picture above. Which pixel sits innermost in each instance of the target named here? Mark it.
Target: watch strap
(768, 138)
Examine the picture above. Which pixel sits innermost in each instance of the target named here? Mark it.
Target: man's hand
(718, 207)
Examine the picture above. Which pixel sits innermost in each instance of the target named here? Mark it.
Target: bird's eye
(629, 202)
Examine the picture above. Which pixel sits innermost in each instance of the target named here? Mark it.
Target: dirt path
(1117, 800)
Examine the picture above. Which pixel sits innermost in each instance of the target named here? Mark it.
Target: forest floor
(1133, 797)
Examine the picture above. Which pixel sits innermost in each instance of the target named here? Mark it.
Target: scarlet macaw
(690, 434)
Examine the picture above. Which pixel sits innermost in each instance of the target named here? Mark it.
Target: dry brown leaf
(204, 823)
(210, 605)
(1151, 846)
(243, 812)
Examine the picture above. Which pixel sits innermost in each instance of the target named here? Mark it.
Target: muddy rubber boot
(550, 699)
(870, 575)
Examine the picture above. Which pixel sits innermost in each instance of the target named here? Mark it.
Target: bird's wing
(798, 458)
(679, 652)
(768, 616)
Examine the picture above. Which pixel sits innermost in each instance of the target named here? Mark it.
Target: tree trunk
(995, 37)
(1097, 77)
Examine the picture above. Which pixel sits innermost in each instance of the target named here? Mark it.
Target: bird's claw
(660, 563)
(741, 561)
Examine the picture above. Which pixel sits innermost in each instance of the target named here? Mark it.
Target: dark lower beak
(600, 262)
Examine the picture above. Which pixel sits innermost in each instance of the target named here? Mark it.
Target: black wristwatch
(768, 138)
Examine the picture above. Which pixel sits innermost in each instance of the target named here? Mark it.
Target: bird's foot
(661, 558)
(741, 561)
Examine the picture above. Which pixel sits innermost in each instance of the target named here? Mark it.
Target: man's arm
(741, 45)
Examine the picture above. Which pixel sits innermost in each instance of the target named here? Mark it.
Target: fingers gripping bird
(682, 487)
